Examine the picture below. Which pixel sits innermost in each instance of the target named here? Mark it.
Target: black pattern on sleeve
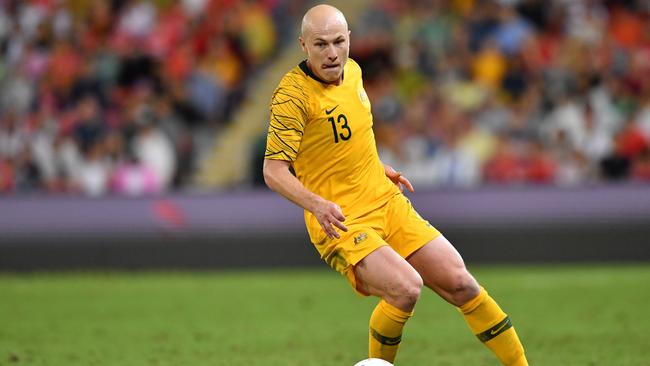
(289, 114)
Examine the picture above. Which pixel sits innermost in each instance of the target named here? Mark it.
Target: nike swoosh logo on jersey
(331, 110)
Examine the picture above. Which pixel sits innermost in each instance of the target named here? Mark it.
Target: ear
(303, 46)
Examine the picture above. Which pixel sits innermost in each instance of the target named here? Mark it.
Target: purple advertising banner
(261, 210)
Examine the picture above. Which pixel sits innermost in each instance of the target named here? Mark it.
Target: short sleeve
(289, 115)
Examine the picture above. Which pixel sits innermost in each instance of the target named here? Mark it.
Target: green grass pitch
(565, 315)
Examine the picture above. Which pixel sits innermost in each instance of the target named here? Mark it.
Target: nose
(331, 53)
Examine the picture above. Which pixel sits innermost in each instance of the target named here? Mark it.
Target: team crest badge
(359, 238)
(363, 96)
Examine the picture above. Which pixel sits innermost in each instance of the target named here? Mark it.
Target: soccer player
(356, 216)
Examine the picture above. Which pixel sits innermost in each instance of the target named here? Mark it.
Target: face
(327, 50)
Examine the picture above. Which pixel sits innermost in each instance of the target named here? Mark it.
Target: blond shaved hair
(321, 17)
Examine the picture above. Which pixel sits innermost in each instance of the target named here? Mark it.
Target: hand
(329, 213)
(397, 178)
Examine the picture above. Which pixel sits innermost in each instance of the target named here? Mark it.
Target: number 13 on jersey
(341, 122)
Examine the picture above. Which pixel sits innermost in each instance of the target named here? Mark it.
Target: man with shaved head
(356, 215)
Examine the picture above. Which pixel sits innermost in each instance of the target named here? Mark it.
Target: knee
(463, 289)
(406, 292)
(413, 289)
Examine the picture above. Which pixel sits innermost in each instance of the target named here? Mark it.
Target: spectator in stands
(132, 178)
(93, 171)
(504, 167)
(12, 139)
(641, 167)
(455, 164)
(154, 150)
(540, 167)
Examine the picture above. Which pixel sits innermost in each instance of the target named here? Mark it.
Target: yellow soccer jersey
(326, 132)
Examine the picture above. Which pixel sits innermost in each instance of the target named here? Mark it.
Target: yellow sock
(493, 327)
(386, 323)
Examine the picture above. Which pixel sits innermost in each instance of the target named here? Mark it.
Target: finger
(406, 183)
(399, 186)
(330, 232)
(340, 225)
(333, 232)
(390, 171)
(338, 215)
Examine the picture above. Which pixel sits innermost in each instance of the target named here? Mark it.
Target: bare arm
(397, 178)
(278, 177)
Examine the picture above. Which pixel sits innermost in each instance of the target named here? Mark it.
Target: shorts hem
(415, 248)
(352, 277)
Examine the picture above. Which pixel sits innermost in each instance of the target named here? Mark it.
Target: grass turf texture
(566, 315)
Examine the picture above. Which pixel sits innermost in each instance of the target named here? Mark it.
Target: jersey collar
(308, 72)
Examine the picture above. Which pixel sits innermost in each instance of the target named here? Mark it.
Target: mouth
(330, 66)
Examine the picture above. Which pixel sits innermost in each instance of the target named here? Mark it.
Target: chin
(331, 76)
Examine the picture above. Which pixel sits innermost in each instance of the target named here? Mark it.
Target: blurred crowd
(118, 97)
(122, 97)
(509, 92)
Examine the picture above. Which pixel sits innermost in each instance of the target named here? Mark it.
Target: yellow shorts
(396, 224)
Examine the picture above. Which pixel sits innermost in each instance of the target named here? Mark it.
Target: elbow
(268, 180)
(275, 173)
(268, 176)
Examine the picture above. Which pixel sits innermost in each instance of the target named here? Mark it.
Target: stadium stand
(124, 97)
(142, 97)
(509, 92)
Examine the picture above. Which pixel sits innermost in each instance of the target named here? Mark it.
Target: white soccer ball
(373, 362)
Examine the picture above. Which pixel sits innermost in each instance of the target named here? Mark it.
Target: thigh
(353, 245)
(344, 253)
(407, 231)
(443, 270)
(384, 272)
